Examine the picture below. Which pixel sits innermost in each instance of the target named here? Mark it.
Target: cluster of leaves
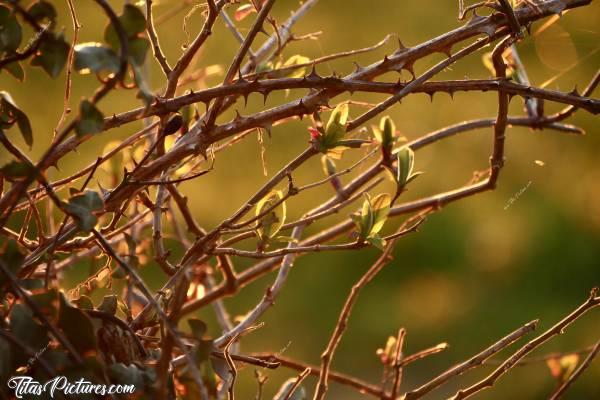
(371, 219)
(330, 140)
(102, 58)
(47, 48)
(106, 348)
(82, 207)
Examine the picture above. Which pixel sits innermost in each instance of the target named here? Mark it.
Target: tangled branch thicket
(135, 336)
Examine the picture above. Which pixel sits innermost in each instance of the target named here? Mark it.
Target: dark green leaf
(15, 70)
(12, 258)
(109, 304)
(17, 169)
(10, 30)
(52, 55)
(77, 326)
(23, 326)
(127, 375)
(84, 303)
(90, 121)
(11, 254)
(47, 302)
(42, 10)
(9, 111)
(198, 328)
(95, 57)
(138, 48)
(133, 22)
(82, 208)
(144, 92)
(204, 347)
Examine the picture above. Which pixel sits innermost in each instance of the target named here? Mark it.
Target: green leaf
(10, 30)
(52, 54)
(405, 159)
(90, 120)
(23, 326)
(264, 67)
(42, 10)
(144, 92)
(385, 135)
(380, 206)
(204, 347)
(404, 169)
(138, 48)
(286, 388)
(77, 326)
(17, 169)
(127, 375)
(82, 208)
(9, 111)
(373, 215)
(11, 255)
(95, 57)
(109, 304)
(209, 378)
(16, 70)
(47, 302)
(377, 241)
(329, 167)
(364, 221)
(133, 22)
(271, 222)
(186, 116)
(84, 303)
(198, 328)
(335, 130)
(296, 60)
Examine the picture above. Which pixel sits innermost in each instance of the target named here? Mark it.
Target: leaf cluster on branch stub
(134, 335)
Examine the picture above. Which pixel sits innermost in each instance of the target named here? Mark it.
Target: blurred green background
(476, 271)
